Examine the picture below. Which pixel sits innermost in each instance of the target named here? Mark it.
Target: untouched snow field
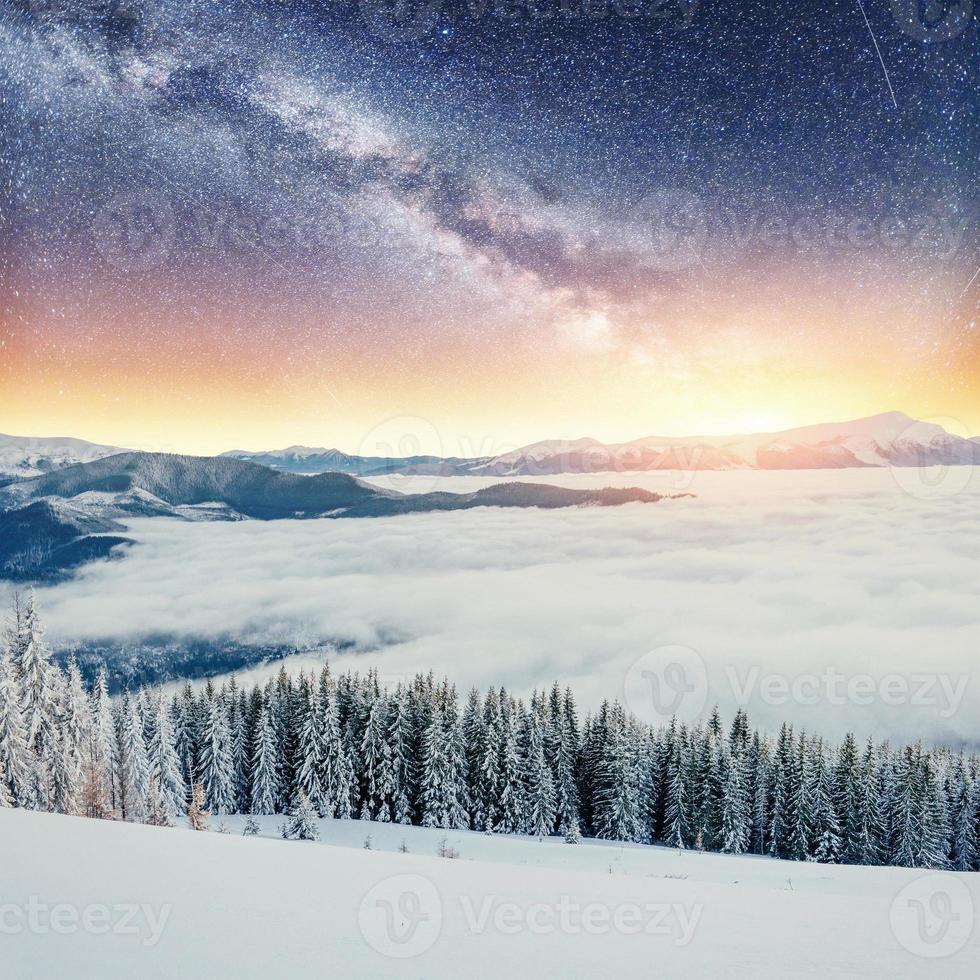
(88, 899)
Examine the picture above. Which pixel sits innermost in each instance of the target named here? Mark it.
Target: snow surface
(222, 906)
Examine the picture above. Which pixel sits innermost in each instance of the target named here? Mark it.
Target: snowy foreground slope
(84, 898)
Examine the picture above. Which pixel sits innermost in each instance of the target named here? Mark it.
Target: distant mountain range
(53, 522)
(26, 456)
(890, 439)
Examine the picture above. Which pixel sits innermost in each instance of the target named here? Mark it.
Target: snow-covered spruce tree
(265, 765)
(761, 761)
(539, 786)
(783, 818)
(239, 747)
(736, 817)
(511, 803)
(908, 809)
(801, 834)
(100, 779)
(572, 834)
(337, 778)
(964, 817)
(311, 748)
(73, 741)
(375, 755)
(474, 736)
(400, 739)
(216, 775)
(826, 827)
(562, 750)
(486, 789)
(15, 757)
(677, 831)
(165, 771)
(440, 791)
(707, 781)
(868, 845)
(934, 847)
(39, 703)
(617, 809)
(134, 766)
(303, 824)
(847, 799)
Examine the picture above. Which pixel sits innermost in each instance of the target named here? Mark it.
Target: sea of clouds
(831, 599)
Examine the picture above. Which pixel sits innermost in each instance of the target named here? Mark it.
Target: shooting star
(874, 41)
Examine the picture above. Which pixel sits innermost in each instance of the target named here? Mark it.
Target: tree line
(347, 747)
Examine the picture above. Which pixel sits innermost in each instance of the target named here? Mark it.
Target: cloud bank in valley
(764, 575)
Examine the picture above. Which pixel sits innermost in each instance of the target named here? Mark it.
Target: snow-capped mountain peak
(27, 456)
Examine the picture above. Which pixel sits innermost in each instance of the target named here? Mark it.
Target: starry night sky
(243, 225)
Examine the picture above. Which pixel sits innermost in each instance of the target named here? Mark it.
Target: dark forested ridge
(346, 747)
(52, 523)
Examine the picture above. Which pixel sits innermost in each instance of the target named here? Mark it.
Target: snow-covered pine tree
(801, 838)
(783, 817)
(375, 756)
(165, 770)
(434, 772)
(303, 824)
(400, 739)
(15, 757)
(265, 765)
(39, 704)
(216, 774)
(677, 829)
(826, 827)
(736, 818)
(847, 799)
(511, 803)
(539, 788)
(311, 750)
(964, 819)
(564, 734)
(487, 787)
(238, 745)
(473, 735)
(868, 844)
(617, 810)
(338, 774)
(134, 767)
(908, 809)
(758, 764)
(934, 847)
(72, 741)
